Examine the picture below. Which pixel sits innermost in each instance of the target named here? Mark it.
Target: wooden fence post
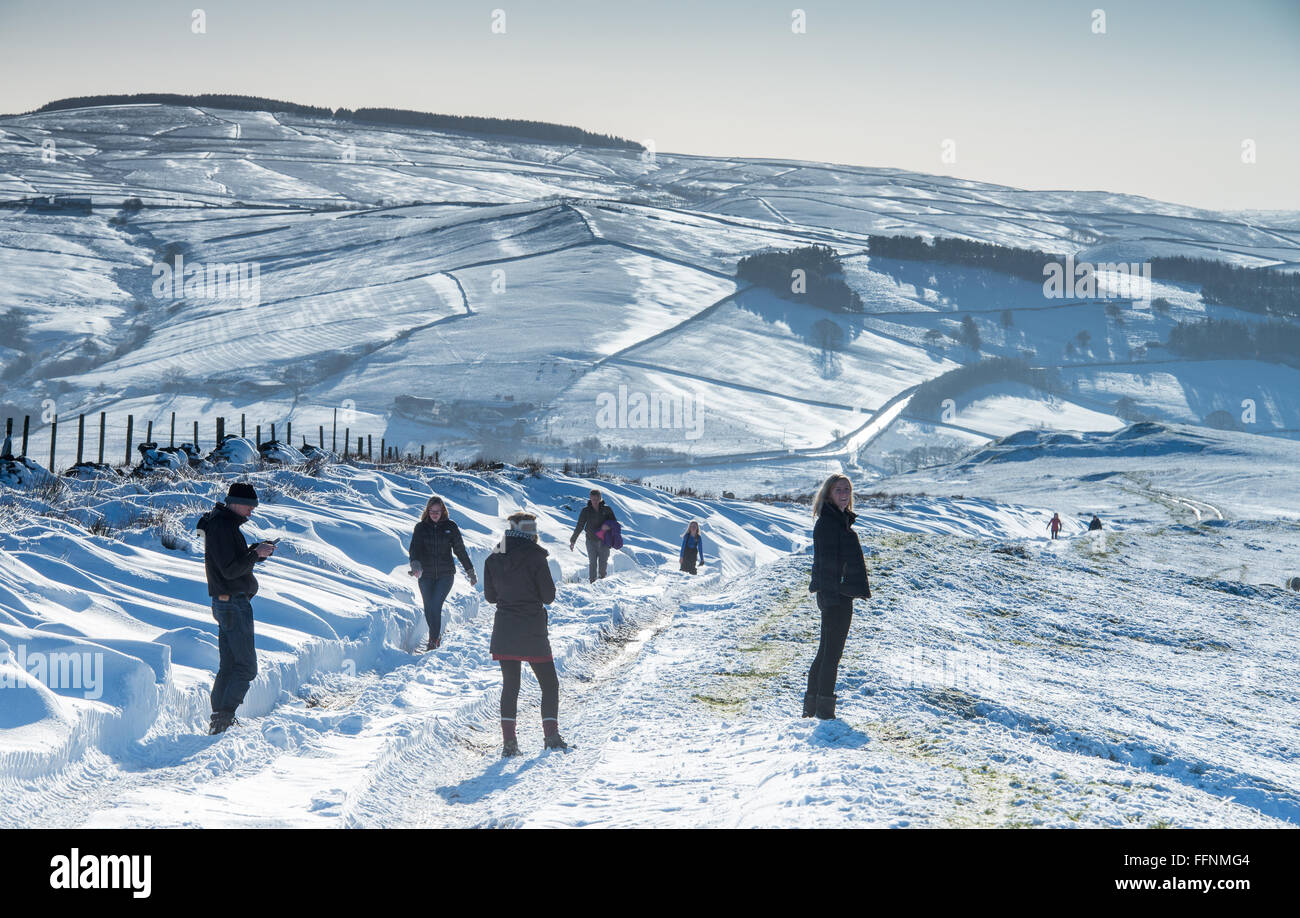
(130, 423)
(221, 430)
(360, 446)
(103, 420)
(347, 439)
(334, 435)
(370, 448)
(54, 433)
(322, 436)
(26, 420)
(242, 433)
(259, 436)
(173, 440)
(383, 450)
(288, 432)
(148, 432)
(81, 435)
(273, 430)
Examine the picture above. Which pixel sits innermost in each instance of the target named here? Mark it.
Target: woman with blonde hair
(692, 547)
(435, 537)
(839, 576)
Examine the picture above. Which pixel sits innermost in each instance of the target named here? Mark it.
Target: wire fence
(19, 444)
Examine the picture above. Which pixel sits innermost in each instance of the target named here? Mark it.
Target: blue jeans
(238, 663)
(434, 592)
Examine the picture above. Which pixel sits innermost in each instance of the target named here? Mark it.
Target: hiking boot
(826, 707)
(555, 742)
(510, 747)
(810, 704)
(221, 722)
(432, 645)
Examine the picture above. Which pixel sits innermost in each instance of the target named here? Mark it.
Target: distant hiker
(1095, 524)
(839, 576)
(228, 562)
(692, 547)
(1055, 524)
(435, 537)
(517, 579)
(593, 516)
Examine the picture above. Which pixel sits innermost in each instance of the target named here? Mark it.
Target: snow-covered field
(492, 297)
(1143, 675)
(514, 286)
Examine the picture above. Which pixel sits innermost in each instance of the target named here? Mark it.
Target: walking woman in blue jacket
(692, 548)
(839, 576)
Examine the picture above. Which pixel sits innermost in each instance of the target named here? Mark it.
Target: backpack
(613, 536)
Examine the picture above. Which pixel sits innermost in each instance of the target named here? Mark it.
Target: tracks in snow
(449, 771)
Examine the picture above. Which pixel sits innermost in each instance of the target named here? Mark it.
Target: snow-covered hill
(509, 290)
(1142, 675)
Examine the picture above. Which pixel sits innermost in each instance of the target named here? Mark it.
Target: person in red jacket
(1055, 524)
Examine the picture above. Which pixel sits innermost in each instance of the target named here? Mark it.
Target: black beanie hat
(241, 492)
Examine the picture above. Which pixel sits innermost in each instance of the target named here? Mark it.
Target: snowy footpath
(997, 679)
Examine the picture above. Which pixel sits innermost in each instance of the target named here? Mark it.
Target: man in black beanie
(228, 561)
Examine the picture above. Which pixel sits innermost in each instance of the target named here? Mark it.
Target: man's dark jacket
(518, 580)
(432, 545)
(227, 559)
(838, 564)
(591, 520)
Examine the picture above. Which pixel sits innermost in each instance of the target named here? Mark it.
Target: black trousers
(547, 678)
(837, 613)
(688, 560)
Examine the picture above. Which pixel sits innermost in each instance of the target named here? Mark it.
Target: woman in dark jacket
(517, 579)
(839, 576)
(432, 543)
(692, 548)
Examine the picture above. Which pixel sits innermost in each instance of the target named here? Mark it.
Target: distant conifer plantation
(1262, 290)
(811, 274)
(542, 131)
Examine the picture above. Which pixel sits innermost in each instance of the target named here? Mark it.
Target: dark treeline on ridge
(927, 402)
(1261, 290)
(820, 283)
(1023, 263)
(468, 124)
(1275, 342)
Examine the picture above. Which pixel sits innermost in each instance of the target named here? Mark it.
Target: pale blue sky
(1159, 105)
